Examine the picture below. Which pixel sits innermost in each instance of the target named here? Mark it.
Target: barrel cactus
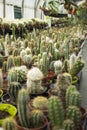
(9, 124)
(13, 90)
(23, 108)
(55, 111)
(12, 75)
(74, 113)
(68, 125)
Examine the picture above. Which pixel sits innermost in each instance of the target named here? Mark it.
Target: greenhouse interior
(43, 64)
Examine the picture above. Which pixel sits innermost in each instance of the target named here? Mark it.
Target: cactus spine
(73, 113)
(23, 109)
(55, 110)
(13, 90)
(68, 125)
(9, 124)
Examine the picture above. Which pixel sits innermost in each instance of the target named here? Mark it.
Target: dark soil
(3, 114)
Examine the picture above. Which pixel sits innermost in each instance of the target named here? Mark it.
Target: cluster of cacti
(36, 119)
(58, 67)
(55, 111)
(13, 90)
(77, 67)
(4, 66)
(1, 79)
(34, 79)
(23, 108)
(9, 124)
(74, 113)
(68, 125)
(40, 102)
(17, 61)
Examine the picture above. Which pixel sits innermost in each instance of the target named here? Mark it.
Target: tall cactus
(9, 124)
(69, 91)
(74, 113)
(13, 90)
(23, 108)
(15, 52)
(56, 113)
(4, 66)
(10, 62)
(68, 125)
(17, 60)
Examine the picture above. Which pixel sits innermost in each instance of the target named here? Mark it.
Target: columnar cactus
(56, 54)
(36, 117)
(55, 111)
(13, 90)
(1, 79)
(66, 65)
(69, 91)
(27, 59)
(72, 60)
(10, 62)
(77, 67)
(4, 66)
(9, 124)
(17, 61)
(68, 125)
(12, 75)
(40, 102)
(58, 67)
(15, 52)
(74, 113)
(23, 108)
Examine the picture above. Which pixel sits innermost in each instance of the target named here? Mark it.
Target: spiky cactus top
(55, 111)
(68, 125)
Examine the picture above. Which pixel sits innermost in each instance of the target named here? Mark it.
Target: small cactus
(58, 67)
(9, 124)
(68, 125)
(68, 77)
(4, 66)
(72, 60)
(13, 90)
(15, 52)
(10, 62)
(73, 113)
(66, 65)
(55, 111)
(40, 102)
(17, 61)
(23, 108)
(12, 75)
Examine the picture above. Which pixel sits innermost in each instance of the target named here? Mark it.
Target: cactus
(68, 77)
(68, 125)
(12, 75)
(36, 117)
(58, 67)
(10, 62)
(40, 102)
(72, 60)
(9, 124)
(69, 91)
(4, 66)
(1, 79)
(23, 53)
(23, 108)
(73, 113)
(75, 99)
(13, 90)
(27, 59)
(17, 61)
(77, 67)
(66, 65)
(55, 111)
(56, 54)
(15, 52)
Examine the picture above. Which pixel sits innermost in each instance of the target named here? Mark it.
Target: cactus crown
(40, 102)
(68, 125)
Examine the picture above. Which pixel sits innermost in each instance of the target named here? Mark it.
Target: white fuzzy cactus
(23, 53)
(72, 60)
(58, 67)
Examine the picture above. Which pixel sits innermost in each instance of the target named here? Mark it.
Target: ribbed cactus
(58, 67)
(36, 117)
(72, 60)
(15, 52)
(40, 102)
(74, 113)
(4, 66)
(69, 91)
(66, 65)
(27, 59)
(23, 108)
(55, 111)
(75, 99)
(10, 62)
(56, 54)
(17, 61)
(12, 75)
(68, 125)
(68, 77)
(9, 124)
(77, 67)
(1, 79)
(13, 90)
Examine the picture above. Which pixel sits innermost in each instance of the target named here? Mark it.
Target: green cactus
(15, 52)
(1, 79)
(27, 60)
(23, 108)
(13, 32)
(13, 90)
(68, 125)
(56, 54)
(12, 75)
(69, 91)
(72, 60)
(40, 102)
(17, 61)
(4, 66)
(74, 113)
(66, 65)
(21, 74)
(10, 62)
(9, 124)
(77, 67)
(75, 99)
(55, 111)
(36, 117)
(68, 77)
(58, 67)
